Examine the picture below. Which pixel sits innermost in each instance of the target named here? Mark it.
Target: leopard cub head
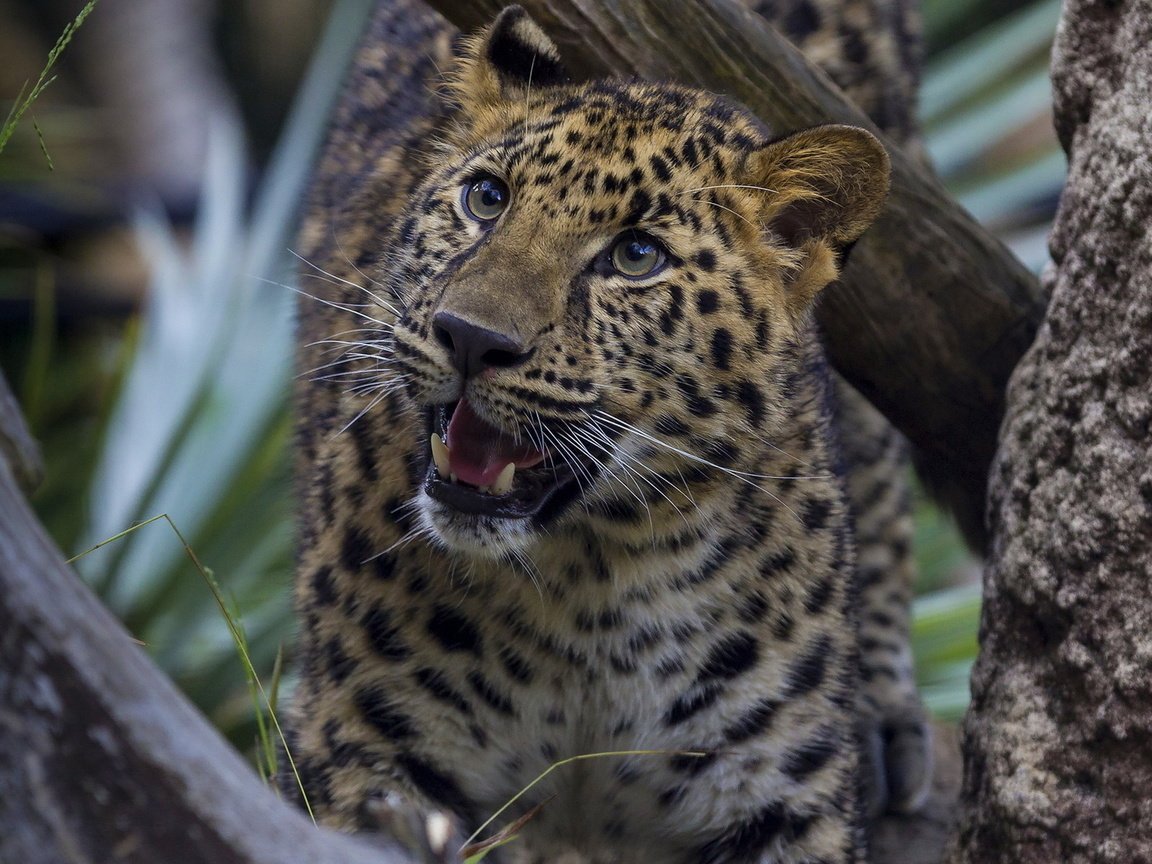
(604, 283)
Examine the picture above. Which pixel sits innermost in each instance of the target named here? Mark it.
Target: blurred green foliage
(183, 411)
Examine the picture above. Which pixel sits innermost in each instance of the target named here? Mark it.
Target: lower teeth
(503, 484)
(440, 456)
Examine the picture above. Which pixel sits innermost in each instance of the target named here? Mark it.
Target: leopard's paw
(896, 756)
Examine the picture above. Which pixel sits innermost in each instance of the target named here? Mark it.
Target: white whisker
(744, 476)
(348, 282)
(728, 186)
(343, 307)
(739, 216)
(631, 465)
(375, 401)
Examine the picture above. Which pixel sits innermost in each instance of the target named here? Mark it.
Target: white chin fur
(478, 536)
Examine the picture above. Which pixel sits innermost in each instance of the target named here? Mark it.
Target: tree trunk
(1059, 736)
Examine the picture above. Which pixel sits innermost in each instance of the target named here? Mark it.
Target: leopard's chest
(603, 704)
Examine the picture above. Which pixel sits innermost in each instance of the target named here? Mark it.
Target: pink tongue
(478, 452)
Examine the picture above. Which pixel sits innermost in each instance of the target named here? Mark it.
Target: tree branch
(101, 759)
(934, 312)
(17, 447)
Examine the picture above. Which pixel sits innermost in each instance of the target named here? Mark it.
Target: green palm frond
(986, 111)
(200, 429)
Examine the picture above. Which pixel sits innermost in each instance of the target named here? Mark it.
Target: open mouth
(479, 469)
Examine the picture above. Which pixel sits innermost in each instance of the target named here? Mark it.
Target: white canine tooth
(453, 478)
(503, 482)
(439, 831)
(440, 455)
(485, 489)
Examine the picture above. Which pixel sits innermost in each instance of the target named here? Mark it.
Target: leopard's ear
(827, 183)
(824, 186)
(506, 60)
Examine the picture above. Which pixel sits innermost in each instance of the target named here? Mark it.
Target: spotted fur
(871, 49)
(696, 594)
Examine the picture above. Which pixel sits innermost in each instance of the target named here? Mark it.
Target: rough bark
(933, 313)
(1059, 737)
(101, 759)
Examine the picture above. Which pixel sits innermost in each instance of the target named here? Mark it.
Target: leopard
(573, 485)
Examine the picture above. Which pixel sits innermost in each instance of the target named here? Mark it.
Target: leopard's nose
(473, 348)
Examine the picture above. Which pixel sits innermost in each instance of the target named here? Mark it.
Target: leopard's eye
(485, 199)
(637, 256)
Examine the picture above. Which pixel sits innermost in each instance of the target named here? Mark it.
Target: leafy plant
(200, 428)
(986, 109)
(26, 96)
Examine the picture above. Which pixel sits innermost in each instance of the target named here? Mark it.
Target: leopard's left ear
(828, 183)
(508, 59)
(824, 186)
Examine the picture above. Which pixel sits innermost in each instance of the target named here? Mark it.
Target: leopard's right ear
(505, 62)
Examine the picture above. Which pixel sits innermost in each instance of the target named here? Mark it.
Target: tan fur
(675, 599)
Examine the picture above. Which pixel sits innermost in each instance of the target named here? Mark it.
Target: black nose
(473, 348)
